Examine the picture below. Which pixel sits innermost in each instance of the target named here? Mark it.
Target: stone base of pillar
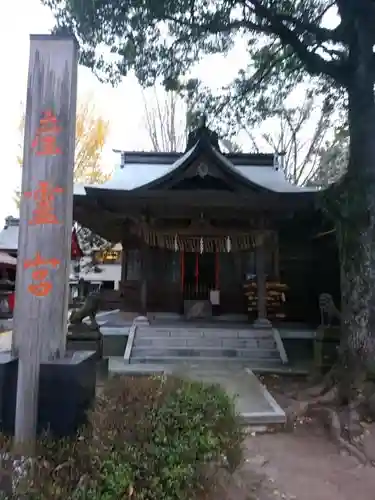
(141, 321)
(262, 323)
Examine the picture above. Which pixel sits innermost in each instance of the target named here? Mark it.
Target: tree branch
(321, 34)
(313, 62)
(275, 25)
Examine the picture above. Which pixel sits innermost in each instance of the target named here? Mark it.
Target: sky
(122, 106)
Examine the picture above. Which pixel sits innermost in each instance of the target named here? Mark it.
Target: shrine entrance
(200, 273)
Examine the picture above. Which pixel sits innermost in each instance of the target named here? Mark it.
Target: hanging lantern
(201, 245)
(228, 244)
(175, 243)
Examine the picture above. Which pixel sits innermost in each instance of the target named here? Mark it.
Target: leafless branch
(299, 135)
(165, 121)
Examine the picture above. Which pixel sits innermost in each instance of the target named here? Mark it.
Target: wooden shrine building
(224, 230)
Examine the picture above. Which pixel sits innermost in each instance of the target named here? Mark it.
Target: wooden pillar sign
(43, 264)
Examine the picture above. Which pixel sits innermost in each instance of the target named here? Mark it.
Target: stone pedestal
(8, 390)
(66, 393)
(262, 323)
(82, 337)
(141, 321)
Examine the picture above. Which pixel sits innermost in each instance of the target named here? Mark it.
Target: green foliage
(149, 438)
(167, 430)
(285, 44)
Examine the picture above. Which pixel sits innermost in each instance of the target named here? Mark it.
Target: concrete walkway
(253, 402)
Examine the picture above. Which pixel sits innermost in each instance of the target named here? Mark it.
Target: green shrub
(149, 438)
(167, 430)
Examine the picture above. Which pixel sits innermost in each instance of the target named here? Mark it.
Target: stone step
(195, 342)
(208, 352)
(167, 360)
(215, 333)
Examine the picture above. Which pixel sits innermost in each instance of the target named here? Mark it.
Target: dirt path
(304, 465)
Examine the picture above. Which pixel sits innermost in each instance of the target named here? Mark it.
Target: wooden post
(182, 273)
(217, 270)
(261, 281)
(144, 277)
(276, 255)
(42, 284)
(123, 268)
(196, 273)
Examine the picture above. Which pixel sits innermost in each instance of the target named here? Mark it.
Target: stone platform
(236, 376)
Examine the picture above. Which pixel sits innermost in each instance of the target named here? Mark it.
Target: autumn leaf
(91, 135)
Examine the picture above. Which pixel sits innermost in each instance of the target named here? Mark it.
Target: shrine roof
(7, 260)
(143, 170)
(134, 172)
(9, 235)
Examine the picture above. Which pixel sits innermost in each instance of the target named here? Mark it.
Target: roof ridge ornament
(203, 121)
(203, 134)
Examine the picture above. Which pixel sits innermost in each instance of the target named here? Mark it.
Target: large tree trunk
(355, 219)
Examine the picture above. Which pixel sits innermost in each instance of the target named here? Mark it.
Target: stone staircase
(177, 343)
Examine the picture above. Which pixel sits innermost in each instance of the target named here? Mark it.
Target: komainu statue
(328, 310)
(89, 309)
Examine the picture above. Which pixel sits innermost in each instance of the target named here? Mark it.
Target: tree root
(333, 423)
(342, 423)
(326, 384)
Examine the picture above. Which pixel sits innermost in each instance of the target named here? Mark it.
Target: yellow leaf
(91, 135)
